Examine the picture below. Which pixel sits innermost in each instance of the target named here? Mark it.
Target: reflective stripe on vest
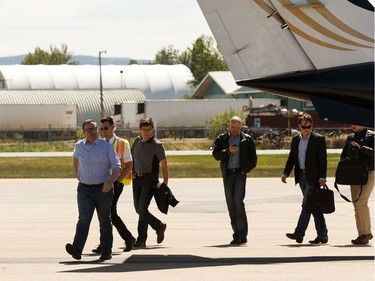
(119, 146)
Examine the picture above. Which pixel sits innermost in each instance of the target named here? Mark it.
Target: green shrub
(218, 124)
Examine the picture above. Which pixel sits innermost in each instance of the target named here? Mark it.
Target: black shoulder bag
(351, 171)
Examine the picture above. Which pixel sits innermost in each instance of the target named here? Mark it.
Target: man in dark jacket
(237, 154)
(308, 156)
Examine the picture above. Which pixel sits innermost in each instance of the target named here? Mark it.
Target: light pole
(101, 84)
(289, 114)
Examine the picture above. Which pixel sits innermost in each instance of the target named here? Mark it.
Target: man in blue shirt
(96, 166)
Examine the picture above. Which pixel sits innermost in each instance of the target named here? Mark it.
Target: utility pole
(101, 84)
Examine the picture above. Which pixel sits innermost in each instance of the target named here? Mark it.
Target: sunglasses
(306, 127)
(89, 130)
(104, 129)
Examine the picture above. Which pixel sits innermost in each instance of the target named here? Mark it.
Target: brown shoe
(160, 233)
(368, 236)
(362, 239)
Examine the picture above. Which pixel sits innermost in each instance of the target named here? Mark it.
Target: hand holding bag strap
(346, 198)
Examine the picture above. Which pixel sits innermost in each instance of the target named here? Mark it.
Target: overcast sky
(125, 28)
(135, 29)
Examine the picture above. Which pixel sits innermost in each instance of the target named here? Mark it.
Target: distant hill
(11, 60)
(81, 59)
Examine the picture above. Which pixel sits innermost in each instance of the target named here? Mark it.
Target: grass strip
(189, 166)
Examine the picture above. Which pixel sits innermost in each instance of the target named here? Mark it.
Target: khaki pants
(361, 209)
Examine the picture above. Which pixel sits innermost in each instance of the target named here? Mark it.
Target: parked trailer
(191, 113)
(37, 117)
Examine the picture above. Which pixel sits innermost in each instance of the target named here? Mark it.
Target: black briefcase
(320, 199)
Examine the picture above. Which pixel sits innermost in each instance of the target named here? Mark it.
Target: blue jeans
(90, 198)
(143, 190)
(304, 217)
(235, 189)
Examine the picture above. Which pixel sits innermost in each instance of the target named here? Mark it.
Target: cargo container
(38, 117)
(190, 113)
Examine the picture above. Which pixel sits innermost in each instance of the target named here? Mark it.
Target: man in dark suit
(308, 156)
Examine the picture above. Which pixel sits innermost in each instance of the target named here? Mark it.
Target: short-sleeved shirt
(96, 161)
(147, 155)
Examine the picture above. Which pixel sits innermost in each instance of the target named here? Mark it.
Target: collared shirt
(234, 158)
(302, 147)
(96, 161)
(147, 155)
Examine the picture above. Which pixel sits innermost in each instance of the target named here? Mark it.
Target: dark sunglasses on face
(306, 127)
(89, 130)
(104, 129)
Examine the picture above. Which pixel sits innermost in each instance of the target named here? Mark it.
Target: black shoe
(105, 256)
(73, 251)
(97, 250)
(129, 245)
(319, 240)
(236, 241)
(160, 233)
(139, 244)
(243, 240)
(362, 239)
(294, 237)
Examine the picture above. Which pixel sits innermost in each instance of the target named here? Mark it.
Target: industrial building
(87, 104)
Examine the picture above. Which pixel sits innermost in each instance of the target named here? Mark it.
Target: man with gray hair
(237, 155)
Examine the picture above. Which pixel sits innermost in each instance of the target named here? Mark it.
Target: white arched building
(32, 95)
(155, 81)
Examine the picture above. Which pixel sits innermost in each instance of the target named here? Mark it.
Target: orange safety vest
(120, 146)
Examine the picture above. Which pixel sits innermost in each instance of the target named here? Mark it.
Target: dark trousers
(304, 218)
(116, 220)
(142, 194)
(234, 188)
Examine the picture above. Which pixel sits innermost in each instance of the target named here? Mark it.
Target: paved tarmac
(38, 218)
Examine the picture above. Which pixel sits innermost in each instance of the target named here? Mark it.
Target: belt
(303, 171)
(236, 170)
(137, 175)
(92, 185)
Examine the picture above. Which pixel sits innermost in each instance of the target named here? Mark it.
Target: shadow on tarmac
(164, 262)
